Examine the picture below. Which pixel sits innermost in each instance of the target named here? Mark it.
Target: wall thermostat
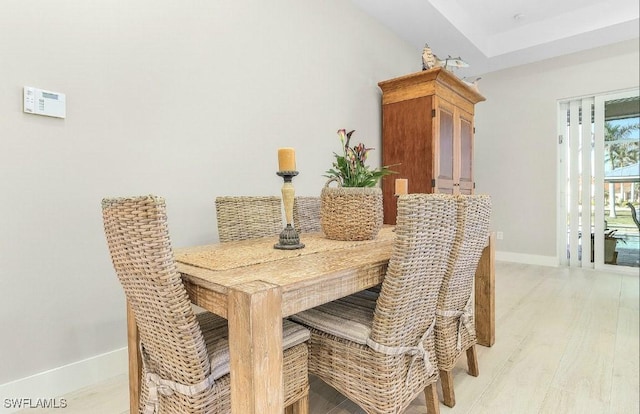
(41, 102)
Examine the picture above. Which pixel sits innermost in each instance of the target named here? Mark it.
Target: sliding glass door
(599, 178)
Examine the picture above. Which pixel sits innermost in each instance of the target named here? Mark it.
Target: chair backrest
(406, 306)
(474, 216)
(306, 214)
(248, 217)
(138, 239)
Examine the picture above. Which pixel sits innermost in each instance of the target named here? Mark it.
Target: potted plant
(349, 169)
(610, 243)
(353, 209)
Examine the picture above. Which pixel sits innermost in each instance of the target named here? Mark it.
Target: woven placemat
(232, 255)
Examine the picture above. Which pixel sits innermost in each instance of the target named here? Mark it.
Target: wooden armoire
(427, 134)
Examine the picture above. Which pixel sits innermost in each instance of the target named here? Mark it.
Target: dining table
(254, 286)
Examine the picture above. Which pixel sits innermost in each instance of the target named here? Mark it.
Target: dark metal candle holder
(289, 237)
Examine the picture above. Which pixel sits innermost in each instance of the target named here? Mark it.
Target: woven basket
(350, 213)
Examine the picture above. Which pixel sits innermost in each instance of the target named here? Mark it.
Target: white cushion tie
(465, 320)
(158, 385)
(416, 351)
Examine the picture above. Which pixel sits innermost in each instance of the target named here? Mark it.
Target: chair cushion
(216, 336)
(348, 318)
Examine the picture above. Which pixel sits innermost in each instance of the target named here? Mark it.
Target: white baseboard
(532, 259)
(62, 380)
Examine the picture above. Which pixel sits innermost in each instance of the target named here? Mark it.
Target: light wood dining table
(254, 286)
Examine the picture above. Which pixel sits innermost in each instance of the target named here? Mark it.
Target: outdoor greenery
(622, 219)
(621, 151)
(621, 154)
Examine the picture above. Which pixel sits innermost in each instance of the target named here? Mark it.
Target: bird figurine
(455, 62)
(429, 60)
(473, 84)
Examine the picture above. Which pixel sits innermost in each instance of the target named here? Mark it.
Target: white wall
(183, 99)
(516, 140)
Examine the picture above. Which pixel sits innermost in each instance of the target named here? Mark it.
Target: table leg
(485, 313)
(135, 361)
(255, 348)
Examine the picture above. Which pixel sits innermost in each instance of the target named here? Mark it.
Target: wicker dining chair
(306, 214)
(248, 217)
(455, 328)
(185, 357)
(379, 350)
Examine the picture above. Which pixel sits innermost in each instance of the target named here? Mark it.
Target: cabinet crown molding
(427, 82)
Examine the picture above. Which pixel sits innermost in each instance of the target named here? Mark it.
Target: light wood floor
(566, 342)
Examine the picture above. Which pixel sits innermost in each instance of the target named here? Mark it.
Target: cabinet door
(445, 168)
(466, 154)
(407, 148)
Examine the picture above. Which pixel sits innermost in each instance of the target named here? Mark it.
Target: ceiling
(496, 34)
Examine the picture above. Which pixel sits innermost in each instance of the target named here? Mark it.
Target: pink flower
(342, 133)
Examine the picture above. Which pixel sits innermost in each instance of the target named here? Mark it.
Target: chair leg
(448, 396)
(472, 361)
(299, 407)
(431, 397)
